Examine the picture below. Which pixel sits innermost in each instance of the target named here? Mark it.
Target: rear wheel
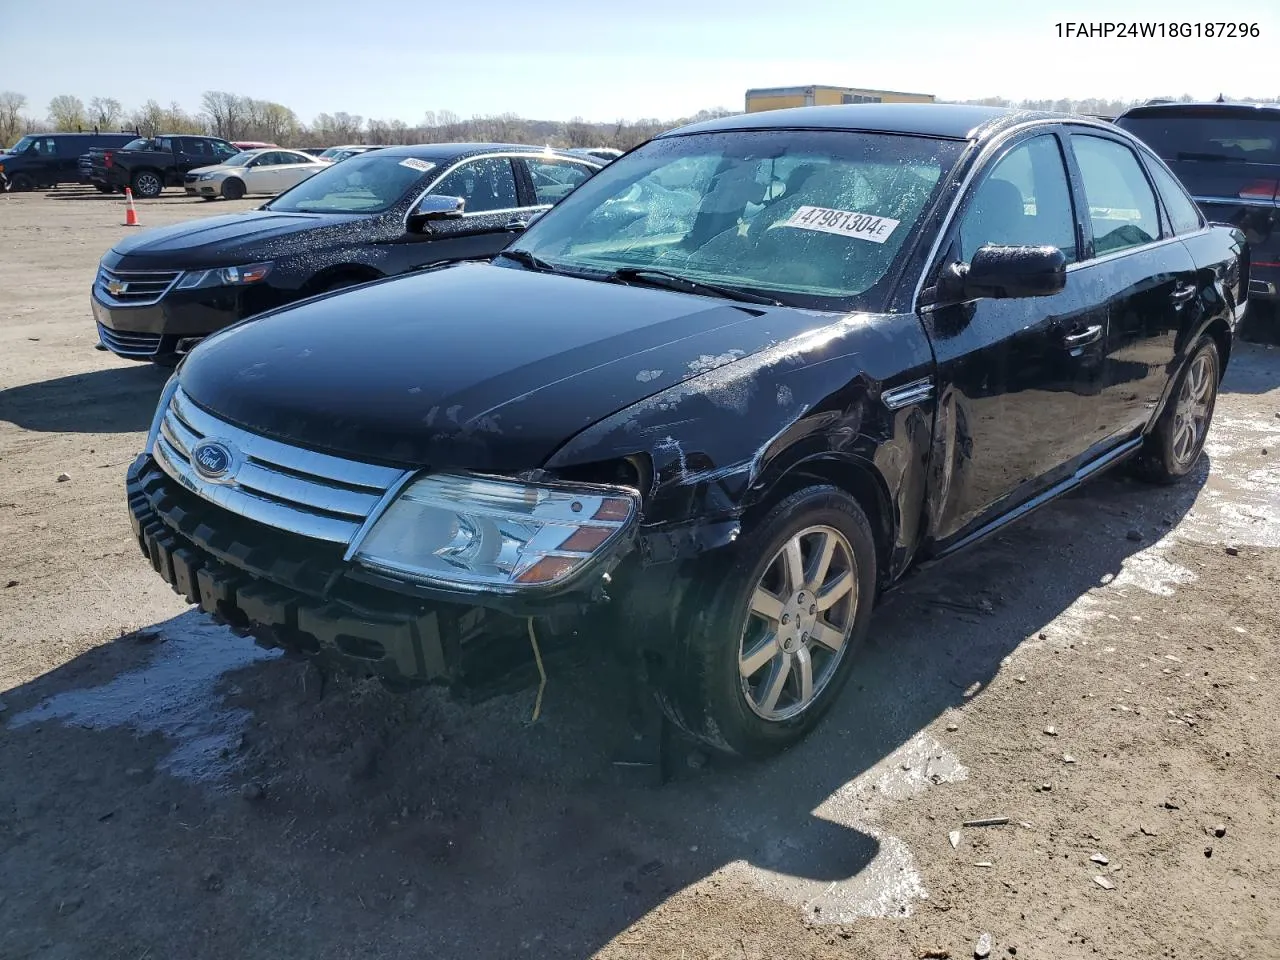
(21, 183)
(233, 188)
(147, 184)
(773, 638)
(1175, 444)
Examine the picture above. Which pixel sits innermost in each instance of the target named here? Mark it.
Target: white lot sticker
(846, 223)
(413, 163)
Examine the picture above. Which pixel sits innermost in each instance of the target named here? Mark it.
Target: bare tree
(67, 112)
(105, 112)
(224, 113)
(11, 119)
(579, 133)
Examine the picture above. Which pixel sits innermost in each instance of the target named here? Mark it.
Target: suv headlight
(226, 276)
(481, 533)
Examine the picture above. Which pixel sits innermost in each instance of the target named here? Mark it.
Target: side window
(553, 180)
(1184, 216)
(165, 145)
(45, 147)
(485, 185)
(1122, 207)
(194, 147)
(1023, 201)
(223, 150)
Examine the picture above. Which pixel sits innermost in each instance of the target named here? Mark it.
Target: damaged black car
(705, 410)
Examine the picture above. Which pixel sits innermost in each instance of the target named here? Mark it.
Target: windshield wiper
(673, 281)
(530, 260)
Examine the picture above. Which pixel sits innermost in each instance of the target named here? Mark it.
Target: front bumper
(138, 333)
(203, 188)
(297, 593)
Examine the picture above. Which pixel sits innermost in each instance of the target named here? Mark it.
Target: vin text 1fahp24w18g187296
(706, 409)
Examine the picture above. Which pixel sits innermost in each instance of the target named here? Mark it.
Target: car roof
(458, 151)
(1247, 111)
(950, 121)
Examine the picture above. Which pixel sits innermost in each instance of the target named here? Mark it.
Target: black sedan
(378, 214)
(836, 343)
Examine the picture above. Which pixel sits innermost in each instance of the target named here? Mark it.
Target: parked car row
(708, 407)
(377, 214)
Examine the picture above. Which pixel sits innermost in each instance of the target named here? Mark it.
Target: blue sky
(553, 59)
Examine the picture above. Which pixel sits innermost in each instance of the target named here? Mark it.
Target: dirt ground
(1104, 674)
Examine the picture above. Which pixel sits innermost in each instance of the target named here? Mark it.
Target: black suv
(1228, 157)
(48, 159)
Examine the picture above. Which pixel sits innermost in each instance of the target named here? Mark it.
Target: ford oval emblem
(213, 460)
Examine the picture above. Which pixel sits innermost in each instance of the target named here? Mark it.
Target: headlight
(481, 533)
(166, 395)
(208, 176)
(226, 276)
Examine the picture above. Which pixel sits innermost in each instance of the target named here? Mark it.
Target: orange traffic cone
(130, 214)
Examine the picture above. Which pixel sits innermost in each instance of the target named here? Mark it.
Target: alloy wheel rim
(1193, 410)
(801, 615)
(146, 183)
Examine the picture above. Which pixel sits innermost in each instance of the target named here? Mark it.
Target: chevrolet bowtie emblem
(116, 287)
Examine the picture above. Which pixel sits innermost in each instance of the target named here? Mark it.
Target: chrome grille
(134, 288)
(128, 344)
(312, 494)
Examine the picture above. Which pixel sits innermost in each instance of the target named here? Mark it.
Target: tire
(233, 188)
(21, 183)
(1175, 444)
(166, 359)
(147, 184)
(208, 199)
(738, 611)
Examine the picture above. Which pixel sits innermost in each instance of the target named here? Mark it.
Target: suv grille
(134, 288)
(311, 494)
(125, 343)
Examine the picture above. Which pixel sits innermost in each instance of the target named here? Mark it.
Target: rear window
(1181, 137)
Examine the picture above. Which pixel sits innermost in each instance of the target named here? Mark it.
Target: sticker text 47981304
(845, 223)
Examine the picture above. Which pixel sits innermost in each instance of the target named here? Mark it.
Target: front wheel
(1173, 447)
(233, 188)
(21, 183)
(147, 184)
(773, 638)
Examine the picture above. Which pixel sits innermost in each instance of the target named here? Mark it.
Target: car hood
(217, 168)
(218, 241)
(472, 366)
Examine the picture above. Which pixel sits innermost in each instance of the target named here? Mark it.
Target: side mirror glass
(431, 209)
(1001, 272)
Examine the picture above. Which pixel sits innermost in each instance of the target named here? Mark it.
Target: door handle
(1183, 292)
(1085, 337)
(515, 225)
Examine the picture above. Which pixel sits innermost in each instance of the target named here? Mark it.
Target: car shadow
(171, 195)
(114, 400)
(454, 830)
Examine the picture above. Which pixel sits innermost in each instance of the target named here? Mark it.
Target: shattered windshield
(813, 218)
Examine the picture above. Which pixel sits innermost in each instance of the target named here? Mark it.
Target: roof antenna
(1221, 99)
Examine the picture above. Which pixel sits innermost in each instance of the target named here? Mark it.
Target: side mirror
(1007, 273)
(432, 209)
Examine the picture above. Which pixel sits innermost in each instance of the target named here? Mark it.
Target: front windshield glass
(368, 183)
(811, 218)
(240, 159)
(22, 144)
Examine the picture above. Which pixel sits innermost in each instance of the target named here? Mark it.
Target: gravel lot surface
(1105, 675)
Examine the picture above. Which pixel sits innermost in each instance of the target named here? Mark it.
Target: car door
(44, 166)
(1013, 373)
(551, 179)
(193, 152)
(293, 169)
(1141, 271)
(262, 174)
(491, 217)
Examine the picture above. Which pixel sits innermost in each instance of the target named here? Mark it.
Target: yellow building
(777, 98)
